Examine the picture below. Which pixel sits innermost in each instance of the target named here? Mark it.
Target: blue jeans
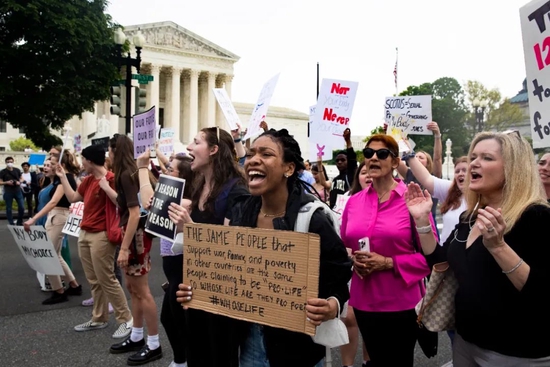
(253, 352)
(8, 198)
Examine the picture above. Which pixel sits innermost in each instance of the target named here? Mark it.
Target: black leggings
(173, 316)
(390, 337)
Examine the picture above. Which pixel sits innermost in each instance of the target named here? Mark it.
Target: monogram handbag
(436, 310)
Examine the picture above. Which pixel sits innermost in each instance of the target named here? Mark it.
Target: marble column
(168, 99)
(211, 110)
(186, 94)
(175, 98)
(228, 81)
(193, 104)
(220, 118)
(153, 91)
(203, 100)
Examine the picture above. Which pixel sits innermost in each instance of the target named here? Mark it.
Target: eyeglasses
(341, 160)
(380, 153)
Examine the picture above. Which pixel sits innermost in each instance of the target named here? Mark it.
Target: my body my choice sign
(168, 190)
(37, 249)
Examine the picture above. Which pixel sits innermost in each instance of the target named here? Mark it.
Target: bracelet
(143, 167)
(237, 140)
(408, 156)
(438, 136)
(425, 229)
(145, 185)
(514, 268)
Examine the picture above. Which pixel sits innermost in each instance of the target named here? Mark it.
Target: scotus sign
(169, 190)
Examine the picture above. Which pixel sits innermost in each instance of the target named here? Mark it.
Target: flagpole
(396, 66)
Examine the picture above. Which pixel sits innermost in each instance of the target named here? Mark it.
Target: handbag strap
(338, 303)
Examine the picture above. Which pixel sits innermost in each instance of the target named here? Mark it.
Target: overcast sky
(351, 40)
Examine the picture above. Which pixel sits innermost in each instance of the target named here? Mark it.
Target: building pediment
(170, 36)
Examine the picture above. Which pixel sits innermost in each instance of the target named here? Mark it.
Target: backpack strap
(220, 204)
(304, 215)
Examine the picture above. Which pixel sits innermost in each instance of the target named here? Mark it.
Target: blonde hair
(429, 161)
(522, 185)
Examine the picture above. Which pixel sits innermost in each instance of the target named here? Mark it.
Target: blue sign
(37, 158)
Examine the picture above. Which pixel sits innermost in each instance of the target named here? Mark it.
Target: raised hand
(492, 226)
(419, 202)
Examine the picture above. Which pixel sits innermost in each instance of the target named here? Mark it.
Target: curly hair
(291, 154)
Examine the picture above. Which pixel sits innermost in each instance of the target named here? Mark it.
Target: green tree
(376, 130)
(448, 110)
(21, 143)
(56, 61)
(499, 113)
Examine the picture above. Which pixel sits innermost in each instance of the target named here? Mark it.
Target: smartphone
(152, 151)
(364, 244)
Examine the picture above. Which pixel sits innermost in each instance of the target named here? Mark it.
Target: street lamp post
(128, 61)
(479, 112)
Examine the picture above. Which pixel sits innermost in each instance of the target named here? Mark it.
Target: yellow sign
(258, 275)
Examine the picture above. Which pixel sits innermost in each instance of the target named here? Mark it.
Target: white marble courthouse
(185, 68)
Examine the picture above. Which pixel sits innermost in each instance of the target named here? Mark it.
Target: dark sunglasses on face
(340, 160)
(380, 153)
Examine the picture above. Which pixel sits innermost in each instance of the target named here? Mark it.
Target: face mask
(10, 165)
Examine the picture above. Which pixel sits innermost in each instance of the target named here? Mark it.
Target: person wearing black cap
(96, 252)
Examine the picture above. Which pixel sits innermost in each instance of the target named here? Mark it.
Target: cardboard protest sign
(104, 142)
(332, 117)
(258, 275)
(410, 114)
(145, 129)
(227, 108)
(72, 225)
(168, 190)
(261, 107)
(37, 249)
(535, 27)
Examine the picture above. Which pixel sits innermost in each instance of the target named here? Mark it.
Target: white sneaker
(124, 329)
(90, 325)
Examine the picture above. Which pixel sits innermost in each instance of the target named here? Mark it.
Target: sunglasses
(380, 153)
(512, 132)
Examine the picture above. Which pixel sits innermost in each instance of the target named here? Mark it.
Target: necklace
(272, 215)
(384, 194)
(470, 224)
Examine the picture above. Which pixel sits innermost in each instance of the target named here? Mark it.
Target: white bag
(332, 333)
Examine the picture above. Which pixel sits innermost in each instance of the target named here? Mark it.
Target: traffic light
(141, 100)
(116, 100)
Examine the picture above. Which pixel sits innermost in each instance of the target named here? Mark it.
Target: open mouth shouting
(475, 177)
(255, 178)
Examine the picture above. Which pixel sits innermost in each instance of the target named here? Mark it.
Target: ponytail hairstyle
(68, 162)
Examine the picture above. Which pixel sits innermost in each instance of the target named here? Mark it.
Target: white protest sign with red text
(535, 27)
(72, 225)
(332, 117)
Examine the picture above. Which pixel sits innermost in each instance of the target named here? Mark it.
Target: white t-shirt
(451, 218)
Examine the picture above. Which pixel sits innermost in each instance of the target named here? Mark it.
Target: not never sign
(168, 190)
